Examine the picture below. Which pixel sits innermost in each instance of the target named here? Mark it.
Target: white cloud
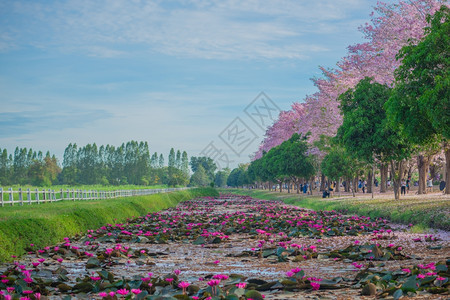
(200, 29)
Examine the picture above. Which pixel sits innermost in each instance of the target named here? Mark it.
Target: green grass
(47, 224)
(420, 211)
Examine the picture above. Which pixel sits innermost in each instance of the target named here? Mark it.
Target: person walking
(363, 186)
(408, 183)
(430, 185)
(403, 189)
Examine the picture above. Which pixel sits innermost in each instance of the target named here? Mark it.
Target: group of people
(362, 184)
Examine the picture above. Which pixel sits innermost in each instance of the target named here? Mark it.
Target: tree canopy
(420, 102)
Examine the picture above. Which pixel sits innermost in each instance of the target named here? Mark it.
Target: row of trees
(382, 121)
(384, 125)
(287, 164)
(28, 167)
(130, 163)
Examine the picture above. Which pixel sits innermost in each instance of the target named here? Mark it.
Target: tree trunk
(322, 183)
(354, 186)
(410, 169)
(289, 187)
(347, 185)
(281, 187)
(396, 174)
(369, 182)
(447, 169)
(338, 188)
(310, 186)
(383, 178)
(422, 166)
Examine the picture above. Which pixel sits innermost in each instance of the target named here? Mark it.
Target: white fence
(28, 196)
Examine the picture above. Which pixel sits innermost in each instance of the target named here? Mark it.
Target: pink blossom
(290, 273)
(123, 292)
(241, 285)
(136, 291)
(406, 270)
(28, 279)
(96, 278)
(315, 285)
(213, 282)
(183, 284)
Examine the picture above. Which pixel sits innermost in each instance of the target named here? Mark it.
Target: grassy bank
(49, 223)
(420, 211)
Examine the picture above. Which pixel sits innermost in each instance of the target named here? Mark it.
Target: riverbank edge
(47, 224)
(421, 220)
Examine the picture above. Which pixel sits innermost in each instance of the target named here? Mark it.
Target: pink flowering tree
(392, 26)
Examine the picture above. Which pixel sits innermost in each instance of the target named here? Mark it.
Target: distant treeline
(130, 163)
(28, 167)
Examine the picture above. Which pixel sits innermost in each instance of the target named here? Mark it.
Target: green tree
(69, 172)
(420, 102)
(285, 163)
(171, 162)
(178, 160)
(295, 162)
(5, 168)
(242, 178)
(171, 170)
(339, 164)
(200, 178)
(237, 177)
(161, 161)
(154, 161)
(335, 164)
(366, 132)
(20, 165)
(221, 177)
(185, 163)
(207, 163)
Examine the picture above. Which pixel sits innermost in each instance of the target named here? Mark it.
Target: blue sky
(173, 73)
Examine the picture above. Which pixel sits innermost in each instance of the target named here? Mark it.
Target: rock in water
(369, 290)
